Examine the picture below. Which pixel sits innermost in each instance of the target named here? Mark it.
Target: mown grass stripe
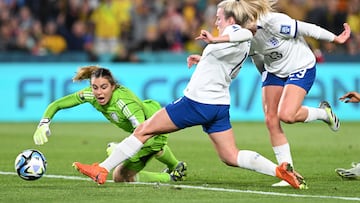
(203, 188)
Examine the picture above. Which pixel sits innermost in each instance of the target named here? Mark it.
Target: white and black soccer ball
(30, 164)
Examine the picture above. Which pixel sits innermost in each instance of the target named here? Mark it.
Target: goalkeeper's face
(102, 90)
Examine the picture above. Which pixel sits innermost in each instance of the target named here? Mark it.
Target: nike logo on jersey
(235, 28)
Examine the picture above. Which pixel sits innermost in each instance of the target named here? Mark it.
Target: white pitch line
(203, 188)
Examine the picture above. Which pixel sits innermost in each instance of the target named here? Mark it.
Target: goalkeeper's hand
(42, 132)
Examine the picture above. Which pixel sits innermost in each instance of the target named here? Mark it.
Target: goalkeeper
(354, 171)
(124, 109)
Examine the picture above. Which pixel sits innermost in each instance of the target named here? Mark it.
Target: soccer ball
(30, 164)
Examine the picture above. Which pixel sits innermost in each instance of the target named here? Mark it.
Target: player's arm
(63, 103)
(351, 97)
(132, 110)
(43, 129)
(232, 33)
(282, 25)
(317, 32)
(220, 50)
(192, 60)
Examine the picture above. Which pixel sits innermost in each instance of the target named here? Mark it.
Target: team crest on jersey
(285, 29)
(114, 117)
(273, 41)
(81, 95)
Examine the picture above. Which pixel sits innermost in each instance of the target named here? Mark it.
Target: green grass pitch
(316, 150)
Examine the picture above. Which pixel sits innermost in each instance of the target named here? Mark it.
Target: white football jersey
(278, 39)
(219, 65)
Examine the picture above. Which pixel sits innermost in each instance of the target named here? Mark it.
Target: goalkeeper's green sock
(146, 176)
(167, 158)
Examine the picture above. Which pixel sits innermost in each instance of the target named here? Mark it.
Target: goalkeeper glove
(42, 132)
(110, 147)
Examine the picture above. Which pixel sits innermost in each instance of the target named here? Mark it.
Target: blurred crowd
(121, 28)
(329, 14)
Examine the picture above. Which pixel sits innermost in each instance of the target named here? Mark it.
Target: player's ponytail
(88, 72)
(84, 73)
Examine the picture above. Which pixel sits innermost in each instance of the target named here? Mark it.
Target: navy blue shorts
(185, 112)
(304, 78)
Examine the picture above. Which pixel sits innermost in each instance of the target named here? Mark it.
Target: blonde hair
(88, 72)
(246, 12)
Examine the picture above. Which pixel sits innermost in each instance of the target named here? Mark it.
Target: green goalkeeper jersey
(124, 109)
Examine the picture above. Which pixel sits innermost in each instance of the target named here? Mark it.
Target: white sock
(253, 161)
(124, 150)
(283, 154)
(316, 114)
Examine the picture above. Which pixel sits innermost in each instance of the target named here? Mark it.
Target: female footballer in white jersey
(287, 64)
(206, 102)
(279, 47)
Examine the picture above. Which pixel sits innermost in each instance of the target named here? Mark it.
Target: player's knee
(229, 160)
(120, 175)
(142, 130)
(228, 163)
(271, 120)
(287, 117)
(117, 178)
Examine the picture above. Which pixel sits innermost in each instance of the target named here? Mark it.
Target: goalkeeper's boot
(286, 172)
(179, 173)
(181, 167)
(334, 122)
(176, 176)
(94, 171)
(352, 173)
